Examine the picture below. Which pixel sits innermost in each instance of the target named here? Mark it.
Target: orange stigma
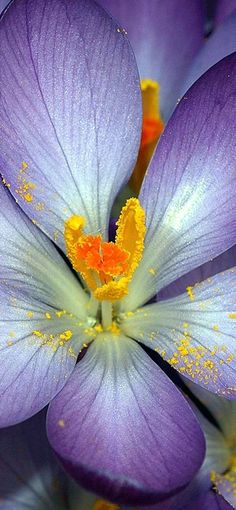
(108, 267)
(152, 129)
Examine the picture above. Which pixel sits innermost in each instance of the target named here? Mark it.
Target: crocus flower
(165, 37)
(70, 129)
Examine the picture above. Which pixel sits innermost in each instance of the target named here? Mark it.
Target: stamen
(151, 130)
(108, 267)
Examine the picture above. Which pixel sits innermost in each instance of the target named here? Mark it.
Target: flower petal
(195, 332)
(223, 410)
(41, 304)
(3, 4)
(220, 44)
(226, 486)
(70, 111)
(115, 423)
(210, 501)
(165, 37)
(30, 263)
(38, 351)
(189, 190)
(30, 475)
(224, 261)
(223, 9)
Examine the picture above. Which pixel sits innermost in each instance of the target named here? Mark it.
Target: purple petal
(30, 475)
(210, 501)
(40, 300)
(70, 110)
(3, 4)
(225, 486)
(31, 264)
(38, 352)
(223, 9)
(195, 332)
(224, 261)
(220, 44)
(115, 423)
(189, 190)
(165, 37)
(222, 409)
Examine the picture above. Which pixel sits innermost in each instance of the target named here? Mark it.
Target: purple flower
(69, 134)
(165, 37)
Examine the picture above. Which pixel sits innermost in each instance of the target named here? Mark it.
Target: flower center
(108, 267)
(151, 130)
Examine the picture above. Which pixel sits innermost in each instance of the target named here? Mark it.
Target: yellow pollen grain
(61, 423)
(66, 335)
(60, 313)
(152, 271)
(189, 291)
(29, 314)
(37, 333)
(215, 327)
(98, 328)
(48, 315)
(232, 315)
(114, 329)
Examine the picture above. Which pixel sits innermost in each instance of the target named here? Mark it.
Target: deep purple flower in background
(165, 37)
(70, 128)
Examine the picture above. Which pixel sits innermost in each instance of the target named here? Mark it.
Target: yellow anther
(108, 267)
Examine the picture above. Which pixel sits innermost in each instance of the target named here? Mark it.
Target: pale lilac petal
(3, 4)
(189, 190)
(224, 261)
(38, 352)
(70, 109)
(195, 332)
(165, 37)
(30, 262)
(115, 423)
(220, 44)
(40, 300)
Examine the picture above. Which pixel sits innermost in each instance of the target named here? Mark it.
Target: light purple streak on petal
(30, 475)
(121, 428)
(220, 44)
(37, 355)
(189, 189)
(31, 264)
(70, 108)
(197, 336)
(223, 9)
(219, 264)
(165, 37)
